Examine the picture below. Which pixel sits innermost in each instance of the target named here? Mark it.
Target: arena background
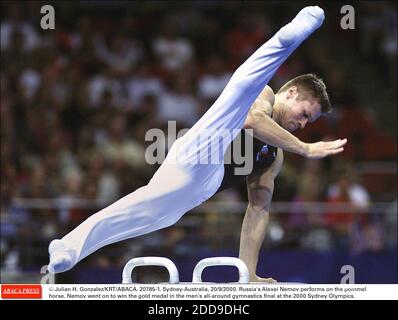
(76, 103)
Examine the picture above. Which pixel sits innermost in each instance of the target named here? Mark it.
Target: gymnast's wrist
(301, 148)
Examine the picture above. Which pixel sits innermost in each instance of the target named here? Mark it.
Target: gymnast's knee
(165, 219)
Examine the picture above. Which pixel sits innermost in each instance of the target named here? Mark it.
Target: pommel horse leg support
(150, 261)
(221, 261)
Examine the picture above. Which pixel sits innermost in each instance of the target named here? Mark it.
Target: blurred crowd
(77, 101)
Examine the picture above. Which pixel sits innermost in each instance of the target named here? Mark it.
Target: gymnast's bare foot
(263, 280)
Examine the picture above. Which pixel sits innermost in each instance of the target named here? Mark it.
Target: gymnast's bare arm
(267, 130)
(260, 189)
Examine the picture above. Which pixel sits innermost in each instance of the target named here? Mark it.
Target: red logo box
(21, 291)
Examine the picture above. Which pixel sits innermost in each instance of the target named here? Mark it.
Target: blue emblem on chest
(264, 150)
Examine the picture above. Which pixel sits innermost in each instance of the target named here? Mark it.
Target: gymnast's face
(297, 109)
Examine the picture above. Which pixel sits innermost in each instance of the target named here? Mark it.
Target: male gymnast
(183, 181)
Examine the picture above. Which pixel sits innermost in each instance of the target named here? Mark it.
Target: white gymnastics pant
(178, 187)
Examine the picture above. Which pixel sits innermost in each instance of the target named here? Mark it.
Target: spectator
(178, 103)
(14, 24)
(173, 52)
(141, 84)
(214, 80)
